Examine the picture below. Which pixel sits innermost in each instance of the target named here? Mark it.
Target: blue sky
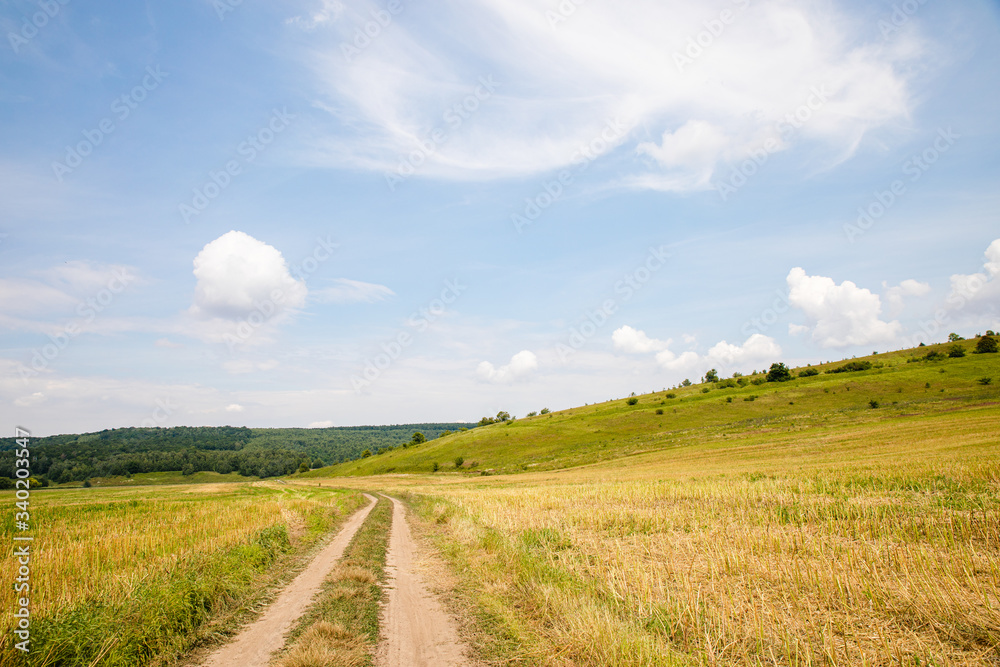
(335, 213)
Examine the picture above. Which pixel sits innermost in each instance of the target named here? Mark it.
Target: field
(122, 576)
(836, 519)
(802, 528)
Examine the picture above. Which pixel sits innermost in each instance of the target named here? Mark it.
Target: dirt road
(417, 632)
(255, 644)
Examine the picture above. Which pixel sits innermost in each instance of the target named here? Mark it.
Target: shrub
(459, 461)
(705, 390)
(779, 373)
(934, 355)
(809, 372)
(531, 414)
(757, 381)
(727, 384)
(956, 351)
(742, 381)
(852, 367)
(632, 401)
(986, 345)
(712, 376)
(544, 411)
(303, 467)
(954, 337)
(435, 466)
(686, 383)
(729, 399)
(873, 404)
(984, 381)
(86, 484)
(659, 411)
(750, 398)
(671, 395)
(365, 454)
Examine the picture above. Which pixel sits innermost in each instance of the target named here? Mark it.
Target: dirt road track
(417, 632)
(255, 644)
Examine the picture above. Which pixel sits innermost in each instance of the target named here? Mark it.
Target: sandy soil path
(257, 641)
(416, 629)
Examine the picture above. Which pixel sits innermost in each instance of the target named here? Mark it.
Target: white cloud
(353, 291)
(234, 407)
(521, 365)
(796, 329)
(839, 315)
(672, 362)
(167, 343)
(979, 290)
(237, 273)
(602, 64)
(244, 366)
(756, 348)
(894, 295)
(633, 341)
(322, 424)
(329, 10)
(31, 400)
(63, 290)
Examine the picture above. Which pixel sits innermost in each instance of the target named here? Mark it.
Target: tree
(632, 401)
(188, 469)
(956, 351)
(318, 463)
(711, 376)
(954, 338)
(418, 438)
(544, 411)
(779, 373)
(303, 467)
(503, 416)
(459, 461)
(986, 345)
(365, 454)
(686, 383)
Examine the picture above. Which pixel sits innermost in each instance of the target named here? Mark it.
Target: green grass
(610, 430)
(162, 478)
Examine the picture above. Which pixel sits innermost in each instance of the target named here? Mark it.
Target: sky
(319, 213)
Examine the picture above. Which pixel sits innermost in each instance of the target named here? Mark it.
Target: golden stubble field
(120, 575)
(870, 545)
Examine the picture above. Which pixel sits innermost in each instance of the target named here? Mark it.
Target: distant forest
(261, 452)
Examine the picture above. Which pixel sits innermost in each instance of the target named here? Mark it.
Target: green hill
(892, 385)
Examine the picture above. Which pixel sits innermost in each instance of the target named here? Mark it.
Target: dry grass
(351, 573)
(327, 645)
(878, 545)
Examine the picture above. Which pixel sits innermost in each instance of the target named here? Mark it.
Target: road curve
(254, 645)
(416, 629)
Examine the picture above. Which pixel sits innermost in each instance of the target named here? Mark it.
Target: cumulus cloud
(322, 424)
(234, 407)
(756, 348)
(839, 315)
(521, 365)
(673, 362)
(237, 273)
(894, 295)
(633, 341)
(979, 290)
(353, 291)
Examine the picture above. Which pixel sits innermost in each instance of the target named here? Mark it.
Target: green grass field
(607, 431)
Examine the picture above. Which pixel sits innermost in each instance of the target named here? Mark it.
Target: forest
(260, 452)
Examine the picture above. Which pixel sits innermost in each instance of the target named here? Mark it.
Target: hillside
(898, 385)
